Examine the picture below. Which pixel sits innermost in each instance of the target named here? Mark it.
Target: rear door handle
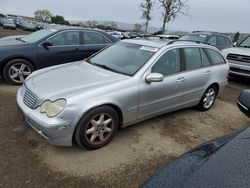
(208, 72)
(179, 80)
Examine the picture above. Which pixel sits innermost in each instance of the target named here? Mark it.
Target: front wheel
(17, 70)
(97, 128)
(208, 99)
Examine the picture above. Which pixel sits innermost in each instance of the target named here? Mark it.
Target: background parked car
(239, 58)
(9, 24)
(27, 26)
(218, 40)
(21, 56)
(223, 162)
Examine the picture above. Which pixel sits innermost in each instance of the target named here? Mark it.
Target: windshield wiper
(21, 40)
(109, 68)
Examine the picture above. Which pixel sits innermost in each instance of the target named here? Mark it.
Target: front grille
(29, 99)
(240, 58)
(239, 70)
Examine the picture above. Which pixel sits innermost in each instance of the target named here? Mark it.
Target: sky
(212, 15)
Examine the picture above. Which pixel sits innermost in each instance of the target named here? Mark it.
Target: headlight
(52, 109)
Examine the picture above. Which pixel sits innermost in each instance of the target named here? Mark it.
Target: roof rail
(198, 42)
(212, 32)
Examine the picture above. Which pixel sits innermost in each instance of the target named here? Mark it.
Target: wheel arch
(5, 61)
(114, 106)
(216, 85)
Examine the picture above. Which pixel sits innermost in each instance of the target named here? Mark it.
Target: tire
(208, 98)
(90, 128)
(20, 68)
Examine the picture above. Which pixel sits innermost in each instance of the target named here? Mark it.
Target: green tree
(236, 36)
(43, 15)
(59, 20)
(171, 8)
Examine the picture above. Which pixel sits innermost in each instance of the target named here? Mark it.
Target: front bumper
(239, 69)
(56, 131)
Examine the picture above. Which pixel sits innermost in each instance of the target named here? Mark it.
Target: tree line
(170, 9)
(47, 16)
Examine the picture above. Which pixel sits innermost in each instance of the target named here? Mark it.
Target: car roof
(207, 33)
(158, 43)
(62, 28)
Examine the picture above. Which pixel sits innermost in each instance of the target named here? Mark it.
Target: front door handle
(179, 80)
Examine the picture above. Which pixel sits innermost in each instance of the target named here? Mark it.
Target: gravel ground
(26, 160)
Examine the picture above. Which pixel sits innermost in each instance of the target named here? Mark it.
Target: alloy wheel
(99, 129)
(209, 98)
(18, 72)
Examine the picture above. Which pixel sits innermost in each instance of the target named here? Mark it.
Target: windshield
(245, 43)
(38, 35)
(200, 38)
(124, 58)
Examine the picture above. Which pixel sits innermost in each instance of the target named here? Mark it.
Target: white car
(239, 58)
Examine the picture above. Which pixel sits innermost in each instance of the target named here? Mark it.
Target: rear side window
(192, 58)
(228, 42)
(212, 40)
(94, 38)
(168, 64)
(220, 40)
(216, 57)
(204, 59)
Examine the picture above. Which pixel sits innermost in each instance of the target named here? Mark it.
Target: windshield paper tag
(150, 49)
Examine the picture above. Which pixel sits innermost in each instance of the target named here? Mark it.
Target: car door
(63, 47)
(92, 42)
(197, 75)
(160, 97)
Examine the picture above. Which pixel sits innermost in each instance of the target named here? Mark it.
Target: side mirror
(235, 44)
(154, 77)
(46, 44)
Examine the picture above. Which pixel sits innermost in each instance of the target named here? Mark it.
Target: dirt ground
(9, 32)
(136, 152)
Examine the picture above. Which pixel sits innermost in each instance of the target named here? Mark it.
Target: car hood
(223, 162)
(70, 79)
(237, 50)
(10, 42)
(9, 38)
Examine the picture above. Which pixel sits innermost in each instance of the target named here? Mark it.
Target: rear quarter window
(215, 57)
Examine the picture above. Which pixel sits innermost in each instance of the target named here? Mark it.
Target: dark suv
(20, 56)
(221, 41)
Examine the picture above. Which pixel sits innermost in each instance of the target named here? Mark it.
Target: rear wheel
(17, 70)
(97, 128)
(208, 99)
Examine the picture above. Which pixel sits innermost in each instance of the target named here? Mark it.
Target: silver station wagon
(130, 81)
